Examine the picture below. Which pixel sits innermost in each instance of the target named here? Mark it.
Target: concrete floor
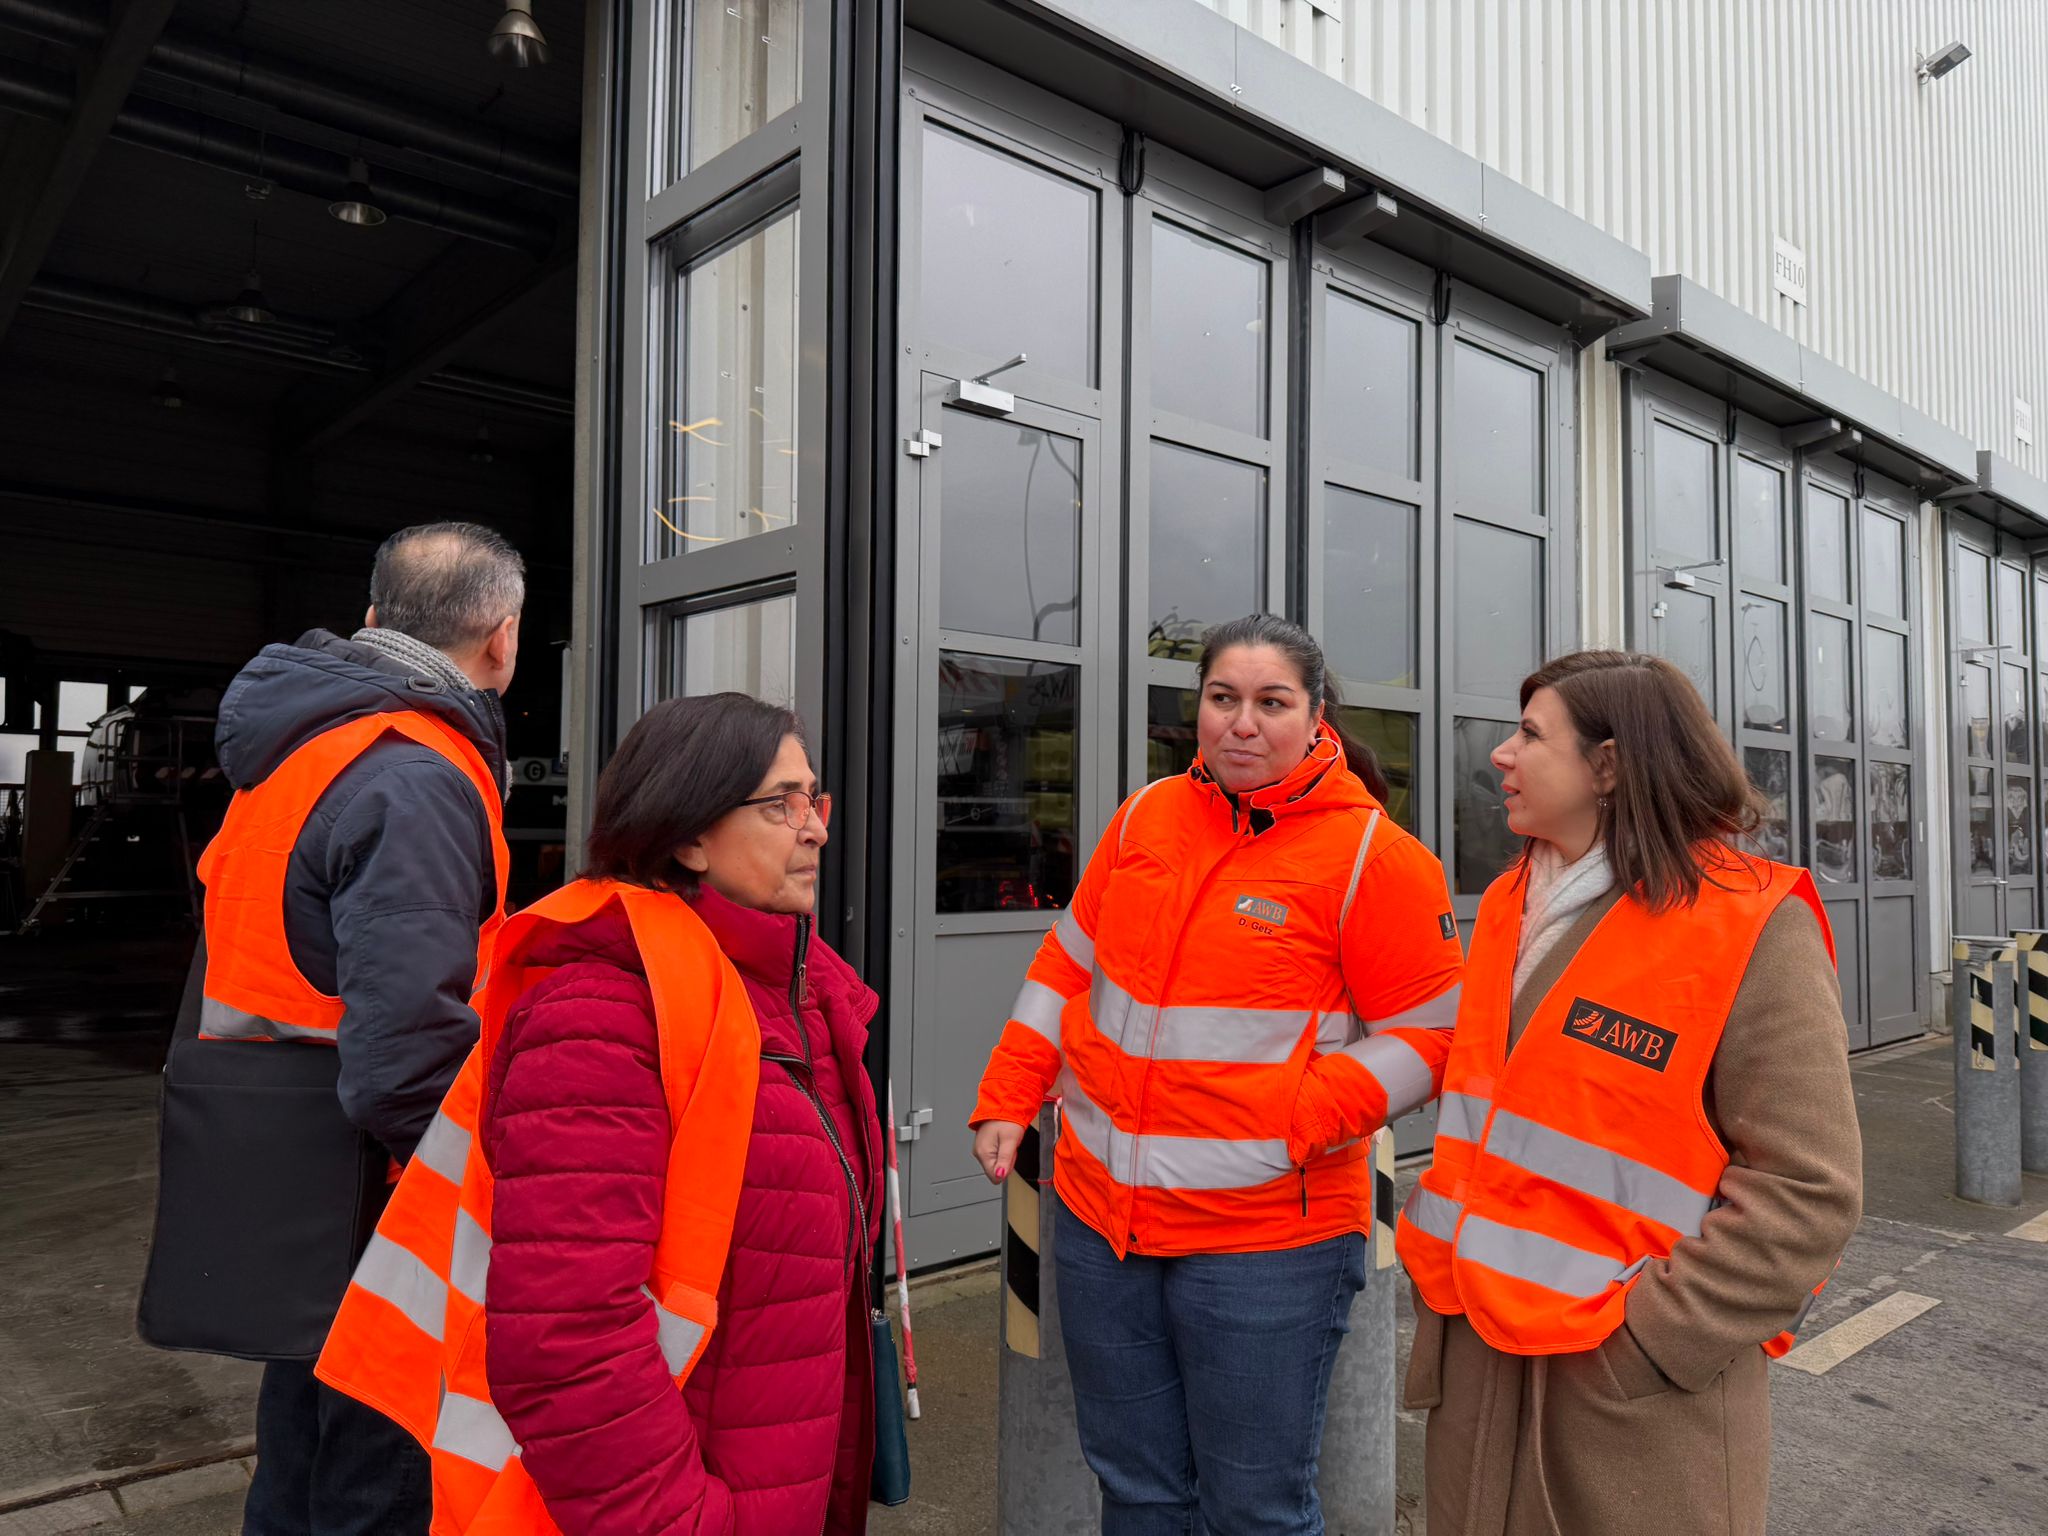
(1939, 1429)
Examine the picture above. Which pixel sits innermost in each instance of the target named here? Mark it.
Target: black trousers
(326, 1465)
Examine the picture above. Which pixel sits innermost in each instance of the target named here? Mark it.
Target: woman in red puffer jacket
(773, 1431)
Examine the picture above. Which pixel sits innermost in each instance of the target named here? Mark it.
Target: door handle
(913, 1125)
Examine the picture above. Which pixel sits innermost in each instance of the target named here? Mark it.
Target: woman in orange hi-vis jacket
(1647, 1156)
(1258, 970)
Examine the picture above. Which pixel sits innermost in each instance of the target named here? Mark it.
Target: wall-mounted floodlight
(1935, 65)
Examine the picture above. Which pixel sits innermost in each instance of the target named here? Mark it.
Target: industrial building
(947, 366)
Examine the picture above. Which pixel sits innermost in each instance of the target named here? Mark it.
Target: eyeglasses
(797, 807)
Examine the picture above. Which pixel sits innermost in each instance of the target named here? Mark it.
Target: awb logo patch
(1260, 910)
(1637, 1040)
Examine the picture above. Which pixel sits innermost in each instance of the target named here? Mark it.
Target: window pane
(1008, 260)
(14, 751)
(1760, 521)
(1371, 586)
(1976, 710)
(79, 704)
(2012, 709)
(2042, 714)
(1494, 443)
(1891, 822)
(1208, 330)
(1170, 745)
(2019, 827)
(1392, 737)
(1983, 824)
(1827, 545)
(1006, 784)
(747, 648)
(731, 430)
(1834, 819)
(1973, 595)
(1372, 370)
(746, 68)
(1499, 613)
(1760, 665)
(1484, 845)
(1884, 564)
(1010, 530)
(1771, 773)
(2012, 606)
(1827, 678)
(1685, 638)
(2041, 623)
(1208, 538)
(1682, 493)
(1884, 690)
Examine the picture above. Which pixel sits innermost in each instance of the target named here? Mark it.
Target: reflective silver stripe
(1336, 1031)
(1038, 1009)
(1398, 1067)
(224, 1023)
(1433, 1213)
(1461, 1116)
(470, 1428)
(1191, 1032)
(1805, 1307)
(1595, 1171)
(1440, 1012)
(678, 1334)
(1372, 823)
(1075, 941)
(469, 1265)
(445, 1148)
(1535, 1258)
(401, 1277)
(1123, 832)
(1168, 1162)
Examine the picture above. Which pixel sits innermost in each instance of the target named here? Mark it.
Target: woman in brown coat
(1595, 1358)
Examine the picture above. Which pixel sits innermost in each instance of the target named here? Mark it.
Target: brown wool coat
(1667, 1425)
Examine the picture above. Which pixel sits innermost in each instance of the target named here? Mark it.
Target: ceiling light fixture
(250, 307)
(517, 36)
(168, 393)
(1939, 63)
(480, 448)
(355, 205)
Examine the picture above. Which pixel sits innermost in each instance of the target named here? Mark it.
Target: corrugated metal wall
(1699, 130)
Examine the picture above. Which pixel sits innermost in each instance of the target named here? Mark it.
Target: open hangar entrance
(277, 277)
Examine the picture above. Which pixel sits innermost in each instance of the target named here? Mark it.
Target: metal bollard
(1356, 1474)
(2032, 1046)
(1043, 1485)
(1982, 998)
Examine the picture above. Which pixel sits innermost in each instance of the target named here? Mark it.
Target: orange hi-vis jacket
(1240, 992)
(1566, 1168)
(409, 1337)
(254, 990)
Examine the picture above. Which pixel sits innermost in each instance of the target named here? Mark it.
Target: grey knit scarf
(418, 655)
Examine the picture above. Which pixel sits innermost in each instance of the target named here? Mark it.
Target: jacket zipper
(806, 1083)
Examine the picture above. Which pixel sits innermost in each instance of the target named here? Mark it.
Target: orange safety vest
(254, 990)
(409, 1337)
(1563, 1170)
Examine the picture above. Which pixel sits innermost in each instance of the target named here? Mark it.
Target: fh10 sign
(1788, 271)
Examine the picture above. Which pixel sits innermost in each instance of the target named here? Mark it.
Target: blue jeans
(1199, 1382)
(327, 1465)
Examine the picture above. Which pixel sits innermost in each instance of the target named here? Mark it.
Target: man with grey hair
(359, 872)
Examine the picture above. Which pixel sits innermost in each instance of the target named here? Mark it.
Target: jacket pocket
(1424, 1387)
(1630, 1368)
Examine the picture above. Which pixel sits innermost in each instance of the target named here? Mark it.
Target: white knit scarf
(1558, 895)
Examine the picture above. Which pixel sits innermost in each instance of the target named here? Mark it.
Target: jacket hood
(291, 693)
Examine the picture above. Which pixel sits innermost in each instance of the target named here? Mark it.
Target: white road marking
(2035, 1231)
(1823, 1352)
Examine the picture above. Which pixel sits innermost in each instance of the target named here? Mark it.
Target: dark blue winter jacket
(391, 878)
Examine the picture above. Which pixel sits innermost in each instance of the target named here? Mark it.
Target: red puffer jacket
(773, 1433)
